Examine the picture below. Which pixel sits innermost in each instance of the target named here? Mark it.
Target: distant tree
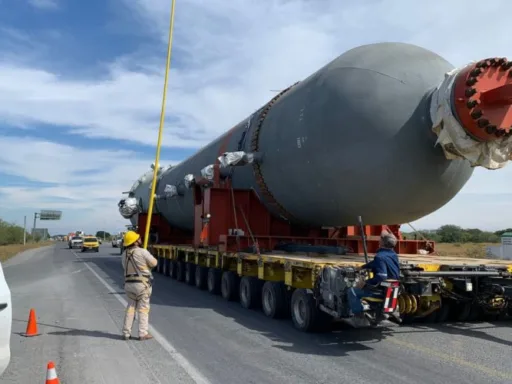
(455, 234)
(502, 231)
(451, 234)
(103, 235)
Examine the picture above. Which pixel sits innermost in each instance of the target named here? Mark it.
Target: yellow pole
(161, 128)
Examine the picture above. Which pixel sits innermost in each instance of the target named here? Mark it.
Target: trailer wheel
(274, 300)
(160, 265)
(497, 316)
(167, 267)
(305, 314)
(190, 274)
(250, 292)
(229, 285)
(180, 272)
(475, 313)
(173, 269)
(444, 312)
(461, 311)
(439, 315)
(214, 280)
(201, 277)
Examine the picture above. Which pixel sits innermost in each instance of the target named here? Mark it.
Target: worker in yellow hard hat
(137, 265)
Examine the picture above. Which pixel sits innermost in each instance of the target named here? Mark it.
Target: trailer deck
(442, 288)
(299, 270)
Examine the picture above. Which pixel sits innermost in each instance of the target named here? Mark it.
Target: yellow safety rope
(161, 128)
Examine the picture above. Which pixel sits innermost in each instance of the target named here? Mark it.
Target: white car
(76, 242)
(5, 322)
(116, 243)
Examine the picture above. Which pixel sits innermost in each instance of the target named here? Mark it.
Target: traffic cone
(51, 374)
(32, 324)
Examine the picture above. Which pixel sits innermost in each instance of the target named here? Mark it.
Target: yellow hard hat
(129, 238)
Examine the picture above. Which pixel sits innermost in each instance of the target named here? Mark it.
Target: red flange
(483, 99)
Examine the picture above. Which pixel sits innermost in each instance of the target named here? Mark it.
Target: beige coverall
(137, 265)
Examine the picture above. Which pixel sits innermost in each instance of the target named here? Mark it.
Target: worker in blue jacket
(385, 265)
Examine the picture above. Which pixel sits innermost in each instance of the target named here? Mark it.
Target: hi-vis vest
(138, 276)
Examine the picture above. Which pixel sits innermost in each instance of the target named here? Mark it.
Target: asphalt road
(200, 338)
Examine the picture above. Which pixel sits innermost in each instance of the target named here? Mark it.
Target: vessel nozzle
(471, 112)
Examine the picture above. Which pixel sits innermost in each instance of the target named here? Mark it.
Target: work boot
(146, 337)
(395, 317)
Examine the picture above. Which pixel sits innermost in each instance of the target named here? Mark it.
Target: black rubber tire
(250, 292)
(229, 285)
(274, 299)
(475, 314)
(190, 274)
(160, 265)
(214, 280)
(460, 312)
(167, 267)
(173, 269)
(305, 314)
(439, 315)
(180, 273)
(201, 277)
(443, 313)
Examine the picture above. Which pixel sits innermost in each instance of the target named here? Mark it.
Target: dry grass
(472, 250)
(8, 251)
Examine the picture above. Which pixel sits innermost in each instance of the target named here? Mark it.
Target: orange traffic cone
(32, 324)
(51, 374)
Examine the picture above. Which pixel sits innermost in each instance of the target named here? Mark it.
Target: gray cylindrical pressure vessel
(352, 139)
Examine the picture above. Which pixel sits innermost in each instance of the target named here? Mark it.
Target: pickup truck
(75, 242)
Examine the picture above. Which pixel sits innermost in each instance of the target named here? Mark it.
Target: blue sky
(81, 84)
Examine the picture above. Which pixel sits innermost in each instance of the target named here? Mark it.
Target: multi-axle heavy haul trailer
(267, 213)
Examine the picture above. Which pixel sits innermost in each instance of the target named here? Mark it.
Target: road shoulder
(79, 323)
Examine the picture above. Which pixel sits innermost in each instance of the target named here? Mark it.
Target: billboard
(50, 215)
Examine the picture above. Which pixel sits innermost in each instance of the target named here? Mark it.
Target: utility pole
(25, 230)
(36, 215)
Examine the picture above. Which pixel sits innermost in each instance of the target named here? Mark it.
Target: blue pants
(355, 295)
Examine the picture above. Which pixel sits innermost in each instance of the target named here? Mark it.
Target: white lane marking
(187, 366)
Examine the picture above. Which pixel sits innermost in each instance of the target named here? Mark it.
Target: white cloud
(44, 4)
(232, 54)
(85, 184)
(235, 53)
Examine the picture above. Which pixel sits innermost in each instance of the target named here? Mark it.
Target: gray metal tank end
(141, 190)
(354, 138)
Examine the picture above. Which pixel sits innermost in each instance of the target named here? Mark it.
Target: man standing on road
(137, 265)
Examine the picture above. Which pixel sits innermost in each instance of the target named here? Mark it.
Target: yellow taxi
(90, 243)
